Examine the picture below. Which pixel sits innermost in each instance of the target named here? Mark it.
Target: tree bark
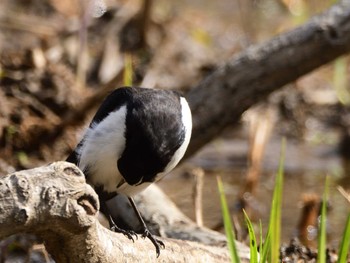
(249, 77)
(55, 203)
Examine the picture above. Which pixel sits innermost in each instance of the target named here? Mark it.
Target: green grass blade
(265, 248)
(322, 235)
(127, 77)
(252, 240)
(227, 223)
(345, 243)
(261, 239)
(275, 214)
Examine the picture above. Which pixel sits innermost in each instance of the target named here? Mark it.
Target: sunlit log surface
(55, 203)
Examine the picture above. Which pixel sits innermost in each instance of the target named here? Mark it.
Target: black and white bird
(135, 138)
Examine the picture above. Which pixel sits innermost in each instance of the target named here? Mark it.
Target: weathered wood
(55, 203)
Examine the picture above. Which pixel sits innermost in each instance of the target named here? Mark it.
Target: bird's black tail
(73, 158)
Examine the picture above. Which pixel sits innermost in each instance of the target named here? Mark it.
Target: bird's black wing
(112, 102)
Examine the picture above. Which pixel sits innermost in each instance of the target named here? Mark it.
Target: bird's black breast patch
(154, 131)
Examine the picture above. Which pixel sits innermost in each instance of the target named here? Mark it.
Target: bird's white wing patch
(187, 122)
(103, 145)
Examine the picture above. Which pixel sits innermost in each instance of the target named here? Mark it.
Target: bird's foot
(128, 233)
(156, 242)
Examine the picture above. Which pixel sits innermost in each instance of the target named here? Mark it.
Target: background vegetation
(57, 62)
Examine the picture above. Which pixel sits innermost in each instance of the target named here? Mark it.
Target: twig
(344, 193)
(198, 174)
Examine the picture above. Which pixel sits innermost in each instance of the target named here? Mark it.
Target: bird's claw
(156, 242)
(128, 233)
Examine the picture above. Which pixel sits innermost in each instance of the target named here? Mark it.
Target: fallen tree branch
(252, 75)
(55, 203)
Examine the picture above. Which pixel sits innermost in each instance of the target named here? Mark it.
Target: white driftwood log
(55, 203)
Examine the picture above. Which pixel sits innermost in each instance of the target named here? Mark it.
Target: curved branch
(249, 77)
(55, 203)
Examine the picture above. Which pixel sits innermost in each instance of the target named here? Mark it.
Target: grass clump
(270, 248)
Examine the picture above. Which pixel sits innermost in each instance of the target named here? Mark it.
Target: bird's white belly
(131, 190)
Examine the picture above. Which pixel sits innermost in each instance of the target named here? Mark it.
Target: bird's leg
(146, 233)
(113, 226)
